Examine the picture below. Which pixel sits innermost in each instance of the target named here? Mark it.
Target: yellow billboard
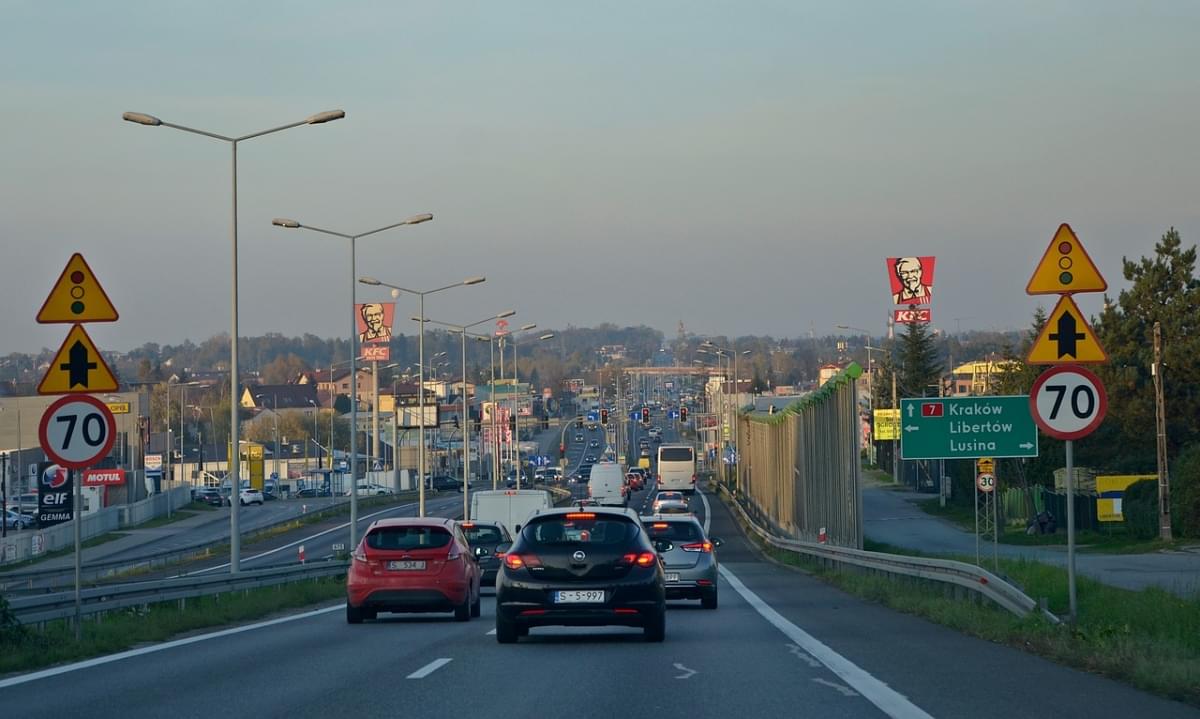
(1111, 490)
(887, 424)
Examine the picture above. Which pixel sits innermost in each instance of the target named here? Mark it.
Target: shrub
(1140, 507)
(1185, 491)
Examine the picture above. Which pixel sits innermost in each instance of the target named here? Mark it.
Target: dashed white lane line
(491, 633)
(430, 668)
(98, 661)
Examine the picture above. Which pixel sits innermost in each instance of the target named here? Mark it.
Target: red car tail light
(704, 546)
(643, 559)
(360, 555)
(581, 515)
(520, 561)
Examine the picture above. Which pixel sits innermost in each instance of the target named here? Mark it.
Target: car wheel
(476, 606)
(354, 615)
(655, 629)
(259, 503)
(708, 600)
(506, 631)
(462, 613)
(241, 503)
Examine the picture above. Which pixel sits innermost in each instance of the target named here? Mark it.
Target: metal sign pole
(1070, 449)
(78, 519)
(976, 524)
(995, 521)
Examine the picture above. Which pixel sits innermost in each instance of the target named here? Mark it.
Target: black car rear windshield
(400, 538)
(675, 531)
(596, 529)
(675, 454)
(483, 534)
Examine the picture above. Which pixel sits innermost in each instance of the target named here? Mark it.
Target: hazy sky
(743, 166)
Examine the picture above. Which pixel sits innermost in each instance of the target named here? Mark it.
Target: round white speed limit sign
(1068, 402)
(986, 482)
(77, 431)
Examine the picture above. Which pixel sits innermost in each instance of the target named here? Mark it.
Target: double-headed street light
(396, 290)
(235, 543)
(466, 453)
(293, 224)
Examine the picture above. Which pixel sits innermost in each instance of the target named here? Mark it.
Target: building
(302, 397)
(980, 377)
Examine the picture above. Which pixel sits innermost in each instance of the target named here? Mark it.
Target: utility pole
(1160, 422)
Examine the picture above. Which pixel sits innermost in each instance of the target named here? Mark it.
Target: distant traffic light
(646, 415)
(682, 414)
(604, 416)
(456, 422)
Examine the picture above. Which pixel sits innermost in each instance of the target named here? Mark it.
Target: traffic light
(604, 416)
(456, 422)
(645, 415)
(682, 414)
(562, 450)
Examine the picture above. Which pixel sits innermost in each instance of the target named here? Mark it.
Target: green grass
(1116, 540)
(1149, 638)
(27, 648)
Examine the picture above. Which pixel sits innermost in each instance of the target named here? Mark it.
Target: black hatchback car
(581, 567)
(484, 538)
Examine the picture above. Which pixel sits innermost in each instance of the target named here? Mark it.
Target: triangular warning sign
(77, 297)
(77, 367)
(1065, 268)
(1066, 338)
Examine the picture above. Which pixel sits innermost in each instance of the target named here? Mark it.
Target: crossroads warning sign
(77, 367)
(1066, 338)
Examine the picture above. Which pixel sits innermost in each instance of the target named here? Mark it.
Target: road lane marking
(844, 690)
(430, 668)
(803, 656)
(886, 699)
(98, 661)
(491, 633)
(688, 673)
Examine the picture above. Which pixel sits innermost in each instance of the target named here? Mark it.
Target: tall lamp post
(466, 452)
(293, 224)
(235, 540)
(396, 290)
(871, 396)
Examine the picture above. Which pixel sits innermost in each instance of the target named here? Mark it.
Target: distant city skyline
(746, 169)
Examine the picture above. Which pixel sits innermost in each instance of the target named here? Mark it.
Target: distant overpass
(673, 371)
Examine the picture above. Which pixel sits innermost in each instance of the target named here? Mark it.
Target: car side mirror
(503, 547)
(716, 541)
(480, 552)
(663, 545)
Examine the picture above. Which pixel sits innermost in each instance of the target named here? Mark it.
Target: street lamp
(466, 461)
(293, 224)
(396, 290)
(235, 540)
(516, 409)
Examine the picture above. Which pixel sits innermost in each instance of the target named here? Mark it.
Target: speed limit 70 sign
(77, 431)
(1068, 402)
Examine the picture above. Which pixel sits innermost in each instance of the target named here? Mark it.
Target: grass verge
(1149, 638)
(26, 648)
(1117, 540)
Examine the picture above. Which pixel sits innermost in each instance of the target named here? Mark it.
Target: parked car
(211, 496)
(444, 483)
(413, 564)
(250, 495)
(370, 489)
(314, 492)
(18, 520)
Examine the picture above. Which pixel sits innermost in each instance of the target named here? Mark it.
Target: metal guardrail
(945, 571)
(25, 579)
(61, 605)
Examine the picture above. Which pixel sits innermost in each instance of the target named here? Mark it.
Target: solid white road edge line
(98, 661)
(430, 668)
(888, 700)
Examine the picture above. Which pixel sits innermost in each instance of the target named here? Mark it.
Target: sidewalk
(891, 517)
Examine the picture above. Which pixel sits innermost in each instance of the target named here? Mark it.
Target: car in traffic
(688, 557)
(635, 481)
(606, 485)
(486, 536)
(578, 437)
(578, 566)
(413, 564)
(668, 499)
(590, 459)
(594, 443)
(250, 495)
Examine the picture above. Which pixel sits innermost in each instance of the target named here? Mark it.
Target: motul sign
(103, 477)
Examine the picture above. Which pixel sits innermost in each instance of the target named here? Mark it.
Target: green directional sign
(967, 427)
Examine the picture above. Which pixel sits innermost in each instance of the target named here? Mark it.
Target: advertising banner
(55, 495)
(911, 280)
(374, 321)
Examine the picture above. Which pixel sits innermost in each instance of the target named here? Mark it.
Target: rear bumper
(531, 604)
(433, 595)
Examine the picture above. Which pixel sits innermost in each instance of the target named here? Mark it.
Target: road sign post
(967, 427)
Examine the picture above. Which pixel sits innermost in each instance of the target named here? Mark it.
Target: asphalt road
(781, 644)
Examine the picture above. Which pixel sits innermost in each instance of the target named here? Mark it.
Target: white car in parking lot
(250, 495)
(370, 489)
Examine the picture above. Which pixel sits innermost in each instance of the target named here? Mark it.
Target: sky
(742, 167)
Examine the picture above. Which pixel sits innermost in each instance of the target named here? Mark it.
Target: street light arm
(142, 118)
(314, 229)
(328, 117)
(414, 220)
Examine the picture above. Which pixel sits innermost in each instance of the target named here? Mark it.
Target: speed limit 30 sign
(77, 431)
(1068, 402)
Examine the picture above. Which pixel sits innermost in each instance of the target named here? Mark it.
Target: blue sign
(593, 415)
(673, 414)
(634, 416)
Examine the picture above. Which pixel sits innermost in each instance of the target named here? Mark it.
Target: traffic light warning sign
(77, 297)
(1065, 268)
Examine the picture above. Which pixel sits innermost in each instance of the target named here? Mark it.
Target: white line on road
(844, 690)
(98, 661)
(687, 672)
(430, 668)
(491, 633)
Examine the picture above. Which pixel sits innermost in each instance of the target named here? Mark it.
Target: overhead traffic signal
(646, 415)
(682, 414)
(604, 416)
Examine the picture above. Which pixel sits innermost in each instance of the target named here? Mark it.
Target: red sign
(374, 322)
(911, 279)
(377, 353)
(931, 409)
(912, 317)
(103, 477)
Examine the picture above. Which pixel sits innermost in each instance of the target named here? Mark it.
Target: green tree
(919, 368)
(1163, 289)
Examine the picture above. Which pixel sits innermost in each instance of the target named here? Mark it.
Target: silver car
(688, 556)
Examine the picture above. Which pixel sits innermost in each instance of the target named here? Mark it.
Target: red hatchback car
(413, 565)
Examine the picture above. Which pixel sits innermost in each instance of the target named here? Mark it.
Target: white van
(676, 467)
(510, 507)
(606, 485)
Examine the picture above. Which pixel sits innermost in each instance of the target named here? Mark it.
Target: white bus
(676, 468)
